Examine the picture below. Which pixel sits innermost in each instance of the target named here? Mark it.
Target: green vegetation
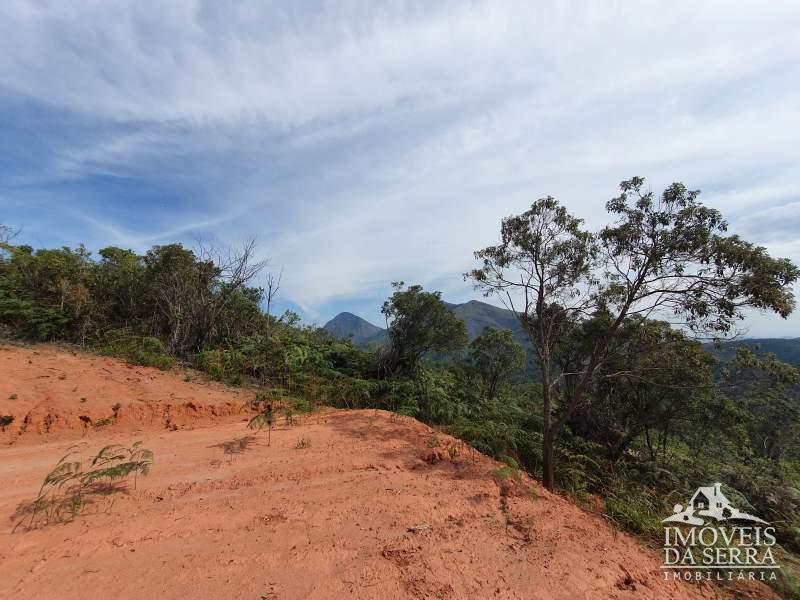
(509, 470)
(140, 350)
(419, 323)
(67, 489)
(494, 357)
(573, 290)
(625, 412)
(264, 418)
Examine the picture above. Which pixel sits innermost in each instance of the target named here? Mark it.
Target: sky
(362, 143)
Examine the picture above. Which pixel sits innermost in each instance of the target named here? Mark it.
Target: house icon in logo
(708, 501)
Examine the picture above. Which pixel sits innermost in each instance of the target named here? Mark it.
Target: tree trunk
(650, 447)
(618, 449)
(548, 469)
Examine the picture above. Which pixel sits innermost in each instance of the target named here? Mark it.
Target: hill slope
(373, 506)
(784, 349)
(362, 332)
(479, 315)
(476, 315)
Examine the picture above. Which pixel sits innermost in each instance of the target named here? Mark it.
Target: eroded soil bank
(341, 504)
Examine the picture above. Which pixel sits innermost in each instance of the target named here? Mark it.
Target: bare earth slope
(374, 508)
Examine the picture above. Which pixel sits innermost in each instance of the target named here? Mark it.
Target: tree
(273, 287)
(237, 268)
(46, 293)
(541, 271)
(654, 379)
(495, 356)
(180, 285)
(192, 291)
(118, 287)
(662, 256)
(7, 234)
(418, 323)
(767, 388)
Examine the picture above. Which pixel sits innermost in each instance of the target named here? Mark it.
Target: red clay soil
(63, 393)
(343, 504)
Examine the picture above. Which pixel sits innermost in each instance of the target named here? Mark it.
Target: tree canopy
(495, 356)
(666, 256)
(419, 323)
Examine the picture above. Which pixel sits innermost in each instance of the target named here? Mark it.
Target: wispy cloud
(363, 143)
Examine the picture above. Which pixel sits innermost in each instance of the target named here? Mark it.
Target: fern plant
(509, 470)
(67, 488)
(117, 462)
(264, 418)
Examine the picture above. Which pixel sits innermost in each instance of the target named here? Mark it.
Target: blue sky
(363, 143)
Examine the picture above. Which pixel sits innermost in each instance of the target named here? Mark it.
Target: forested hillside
(784, 349)
(478, 315)
(627, 414)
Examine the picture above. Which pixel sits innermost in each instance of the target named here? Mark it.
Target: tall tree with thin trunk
(542, 271)
(666, 256)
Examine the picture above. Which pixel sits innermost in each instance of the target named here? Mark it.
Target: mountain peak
(347, 325)
(476, 315)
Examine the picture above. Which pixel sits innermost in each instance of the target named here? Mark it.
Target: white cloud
(292, 64)
(365, 143)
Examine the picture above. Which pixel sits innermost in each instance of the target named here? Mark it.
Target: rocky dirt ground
(340, 504)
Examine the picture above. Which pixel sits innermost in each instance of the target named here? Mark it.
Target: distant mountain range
(785, 349)
(479, 315)
(476, 315)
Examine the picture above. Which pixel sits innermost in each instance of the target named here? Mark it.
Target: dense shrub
(140, 350)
